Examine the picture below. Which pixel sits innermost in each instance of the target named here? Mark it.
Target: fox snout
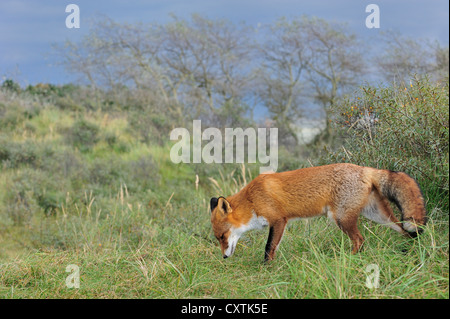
(229, 245)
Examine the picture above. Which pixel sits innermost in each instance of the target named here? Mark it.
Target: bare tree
(404, 57)
(115, 55)
(209, 60)
(283, 63)
(307, 57)
(335, 61)
(193, 66)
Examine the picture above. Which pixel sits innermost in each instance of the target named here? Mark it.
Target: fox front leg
(275, 234)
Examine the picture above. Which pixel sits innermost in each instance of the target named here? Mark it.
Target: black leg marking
(269, 244)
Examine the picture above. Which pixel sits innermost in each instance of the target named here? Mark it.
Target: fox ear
(224, 205)
(213, 203)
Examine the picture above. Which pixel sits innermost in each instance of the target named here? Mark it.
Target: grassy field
(176, 257)
(91, 187)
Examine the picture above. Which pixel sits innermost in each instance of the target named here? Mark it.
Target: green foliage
(149, 127)
(47, 89)
(14, 154)
(138, 175)
(29, 192)
(12, 114)
(83, 135)
(10, 85)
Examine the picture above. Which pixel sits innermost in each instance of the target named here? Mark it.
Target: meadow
(88, 181)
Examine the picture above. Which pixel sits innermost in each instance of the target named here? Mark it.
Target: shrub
(47, 89)
(106, 172)
(83, 135)
(148, 127)
(137, 175)
(142, 174)
(402, 128)
(43, 89)
(13, 113)
(116, 143)
(66, 164)
(31, 191)
(67, 103)
(13, 154)
(10, 85)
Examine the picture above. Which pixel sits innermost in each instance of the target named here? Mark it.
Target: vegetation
(84, 188)
(86, 177)
(402, 128)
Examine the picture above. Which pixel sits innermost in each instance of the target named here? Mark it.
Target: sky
(29, 28)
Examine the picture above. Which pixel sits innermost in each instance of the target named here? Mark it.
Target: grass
(199, 273)
(129, 254)
(138, 226)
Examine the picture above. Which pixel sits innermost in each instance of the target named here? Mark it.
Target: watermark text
(233, 143)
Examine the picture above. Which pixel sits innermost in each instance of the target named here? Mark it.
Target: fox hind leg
(349, 226)
(348, 223)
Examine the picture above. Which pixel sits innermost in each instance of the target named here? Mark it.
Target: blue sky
(28, 28)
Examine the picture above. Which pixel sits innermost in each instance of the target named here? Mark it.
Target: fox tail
(405, 193)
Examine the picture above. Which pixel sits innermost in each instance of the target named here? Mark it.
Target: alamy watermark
(73, 19)
(373, 277)
(73, 280)
(373, 19)
(234, 144)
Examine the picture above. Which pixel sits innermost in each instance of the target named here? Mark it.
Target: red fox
(340, 191)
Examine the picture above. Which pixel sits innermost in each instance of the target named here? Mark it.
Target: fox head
(222, 227)
(230, 223)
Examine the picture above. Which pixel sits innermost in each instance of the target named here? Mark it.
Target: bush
(10, 85)
(142, 174)
(46, 89)
(13, 154)
(115, 143)
(66, 164)
(106, 172)
(148, 127)
(402, 128)
(138, 175)
(67, 103)
(14, 113)
(83, 135)
(31, 191)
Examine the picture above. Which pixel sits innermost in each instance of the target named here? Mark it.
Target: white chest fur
(256, 222)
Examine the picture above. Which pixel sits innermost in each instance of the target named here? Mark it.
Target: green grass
(170, 253)
(171, 261)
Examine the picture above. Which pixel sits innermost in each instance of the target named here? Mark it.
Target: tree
(208, 59)
(403, 57)
(189, 66)
(307, 57)
(283, 63)
(335, 62)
